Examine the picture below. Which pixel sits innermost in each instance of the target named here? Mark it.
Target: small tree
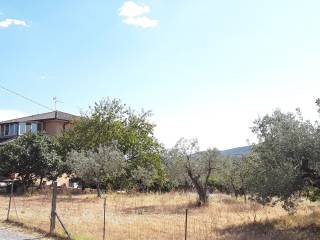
(198, 165)
(31, 156)
(99, 166)
(238, 172)
(175, 168)
(143, 177)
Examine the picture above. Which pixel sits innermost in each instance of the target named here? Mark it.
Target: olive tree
(198, 166)
(287, 157)
(237, 172)
(99, 166)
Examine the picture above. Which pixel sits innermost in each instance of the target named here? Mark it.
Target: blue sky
(205, 68)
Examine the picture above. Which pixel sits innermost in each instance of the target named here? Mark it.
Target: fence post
(11, 194)
(53, 208)
(186, 226)
(104, 218)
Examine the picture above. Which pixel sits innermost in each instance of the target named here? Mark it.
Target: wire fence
(84, 217)
(88, 217)
(154, 216)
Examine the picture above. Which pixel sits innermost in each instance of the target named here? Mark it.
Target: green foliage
(219, 183)
(187, 165)
(175, 168)
(6, 154)
(110, 121)
(31, 156)
(234, 175)
(313, 193)
(103, 165)
(287, 156)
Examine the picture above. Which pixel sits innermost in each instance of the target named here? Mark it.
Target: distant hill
(236, 151)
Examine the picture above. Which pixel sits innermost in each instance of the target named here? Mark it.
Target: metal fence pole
(11, 194)
(104, 218)
(53, 208)
(186, 226)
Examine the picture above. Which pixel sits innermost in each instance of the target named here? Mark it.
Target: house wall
(55, 127)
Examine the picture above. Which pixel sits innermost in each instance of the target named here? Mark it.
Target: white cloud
(144, 22)
(10, 114)
(8, 22)
(134, 14)
(130, 9)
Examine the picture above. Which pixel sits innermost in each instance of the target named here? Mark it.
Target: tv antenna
(55, 101)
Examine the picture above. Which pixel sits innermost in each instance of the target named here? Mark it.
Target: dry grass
(162, 216)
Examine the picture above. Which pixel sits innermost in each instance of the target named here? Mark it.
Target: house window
(13, 129)
(16, 129)
(2, 130)
(28, 127)
(22, 128)
(6, 129)
(34, 127)
(39, 127)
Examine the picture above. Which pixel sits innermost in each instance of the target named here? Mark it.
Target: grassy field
(162, 217)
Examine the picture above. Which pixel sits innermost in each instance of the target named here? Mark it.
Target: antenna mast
(55, 101)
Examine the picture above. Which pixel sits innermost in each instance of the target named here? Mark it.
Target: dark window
(6, 129)
(28, 127)
(1, 130)
(13, 129)
(39, 127)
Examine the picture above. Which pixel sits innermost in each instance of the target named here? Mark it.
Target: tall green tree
(110, 121)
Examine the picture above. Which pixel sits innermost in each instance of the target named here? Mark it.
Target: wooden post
(11, 194)
(53, 208)
(104, 218)
(186, 226)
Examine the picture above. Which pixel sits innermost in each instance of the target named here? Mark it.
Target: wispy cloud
(9, 22)
(134, 14)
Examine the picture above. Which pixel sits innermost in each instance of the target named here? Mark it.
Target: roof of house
(44, 116)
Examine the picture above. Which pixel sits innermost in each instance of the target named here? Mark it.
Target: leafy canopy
(31, 156)
(110, 121)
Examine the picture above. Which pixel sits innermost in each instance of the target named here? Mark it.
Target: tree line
(113, 146)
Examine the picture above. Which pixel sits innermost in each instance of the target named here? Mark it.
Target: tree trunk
(202, 193)
(98, 190)
(235, 190)
(40, 184)
(203, 198)
(83, 185)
